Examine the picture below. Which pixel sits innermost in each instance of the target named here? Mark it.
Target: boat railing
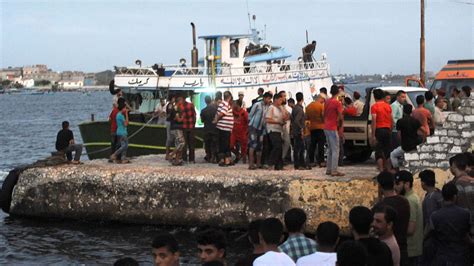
(225, 70)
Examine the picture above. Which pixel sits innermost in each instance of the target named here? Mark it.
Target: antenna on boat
(248, 15)
(265, 32)
(307, 41)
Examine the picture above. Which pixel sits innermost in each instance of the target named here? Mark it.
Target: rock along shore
(151, 191)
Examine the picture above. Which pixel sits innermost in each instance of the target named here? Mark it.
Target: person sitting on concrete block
(65, 143)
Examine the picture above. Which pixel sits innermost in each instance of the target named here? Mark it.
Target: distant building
(10, 73)
(89, 79)
(72, 75)
(34, 69)
(70, 84)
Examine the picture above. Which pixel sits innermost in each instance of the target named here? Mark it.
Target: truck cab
(357, 128)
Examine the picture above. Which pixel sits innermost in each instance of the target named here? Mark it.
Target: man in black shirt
(386, 183)
(211, 133)
(65, 143)
(297, 128)
(407, 128)
(360, 219)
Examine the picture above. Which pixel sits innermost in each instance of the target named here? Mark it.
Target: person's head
(440, 103)
(295, 220)
(227, 96)
(241, 95)
(458, 164)
(218, 96)
(165, 250)
(171, 98)
(334, 90)
(277, 99)
(388, 97)
(127, 261)
(449, 192)
(253, 229)
(267, 97)
(384, 218)
(470, 164)
(385, 180)
(65, 125)
(162, 101)
(356, 95)
(420, 100)
(466, 90)
(378, 94)
(122, 106)
(351, 253)
(403, 182)
(208, 100)
(327, 235)
(180, 99)
(427, 178)
(299, 97)
(429, 96)
(119, 92)
(271, 232)
(348, 101)
(360, 219)
(313, 42)
(212, 245)
(407, 109)
(401, 96)
(455, 92)
(260, 91)
(323, 90)
(283, 96)
(291, 102)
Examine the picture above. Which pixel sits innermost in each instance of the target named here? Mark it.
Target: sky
(359, 37)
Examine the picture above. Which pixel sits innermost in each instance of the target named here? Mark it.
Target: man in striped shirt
(225, 123)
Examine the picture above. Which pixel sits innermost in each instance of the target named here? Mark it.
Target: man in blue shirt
(122, 123)
(255, 131)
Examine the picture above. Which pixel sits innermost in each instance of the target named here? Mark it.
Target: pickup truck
(357, 128)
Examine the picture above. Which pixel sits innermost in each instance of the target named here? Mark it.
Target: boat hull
(151, 139)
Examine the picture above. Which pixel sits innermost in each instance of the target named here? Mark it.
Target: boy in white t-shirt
(271, 234)
(327, 237)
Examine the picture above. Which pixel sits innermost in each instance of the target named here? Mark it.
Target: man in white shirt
(439, 117)
(327, 237)
(271, 234)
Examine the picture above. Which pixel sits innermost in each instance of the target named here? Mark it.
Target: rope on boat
(131, 136)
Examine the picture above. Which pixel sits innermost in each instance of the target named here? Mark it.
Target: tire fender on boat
(7, 189)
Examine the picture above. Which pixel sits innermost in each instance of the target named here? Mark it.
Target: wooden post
(422, 44)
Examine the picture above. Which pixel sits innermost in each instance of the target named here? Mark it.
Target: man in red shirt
(189, 120)
(114, 143)
(423, 115)
(333, 120)
(350, 109)
(381, 135)
(239, 131)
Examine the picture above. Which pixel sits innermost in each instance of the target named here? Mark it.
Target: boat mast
(422, 44)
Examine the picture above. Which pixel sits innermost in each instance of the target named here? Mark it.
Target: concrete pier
(150, 190)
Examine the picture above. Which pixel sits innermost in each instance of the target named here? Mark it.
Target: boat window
(449, 84)
(234, 49)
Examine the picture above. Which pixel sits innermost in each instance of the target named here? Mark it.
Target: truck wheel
(359, 156)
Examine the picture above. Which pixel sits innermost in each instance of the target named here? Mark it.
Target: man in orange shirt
(315, 114)
(381, 126)
(423, 115)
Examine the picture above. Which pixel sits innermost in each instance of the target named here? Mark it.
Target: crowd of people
(398, 230)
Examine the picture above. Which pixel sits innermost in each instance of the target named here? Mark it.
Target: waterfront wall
(188, 196)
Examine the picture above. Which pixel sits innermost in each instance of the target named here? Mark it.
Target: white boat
(231, 62)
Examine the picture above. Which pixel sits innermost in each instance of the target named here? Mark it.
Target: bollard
(92, 117)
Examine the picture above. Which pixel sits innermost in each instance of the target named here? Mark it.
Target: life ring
(7, 189)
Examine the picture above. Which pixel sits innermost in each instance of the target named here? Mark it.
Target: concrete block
(432, 139)
(467, 134)
(469, 118)
(440, 156)
(453, 133)
(449, 140)
(443, 164)
(455, 118)
(461, 141)
(426, 148)
(455, 149)
(441, 147)
(426, 156)
(441, 132)
(428, 164)
(414, 164)
(450, 125)
(411, 156)
(464, 125)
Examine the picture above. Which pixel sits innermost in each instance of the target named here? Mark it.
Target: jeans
(169, 138)
(333, 150)
(396, 156)
(298, 151)
(179, 142)
(77, 148)
(189, 144)
(276, 158)
(318, 140)
(122, 151)
(114, 144)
